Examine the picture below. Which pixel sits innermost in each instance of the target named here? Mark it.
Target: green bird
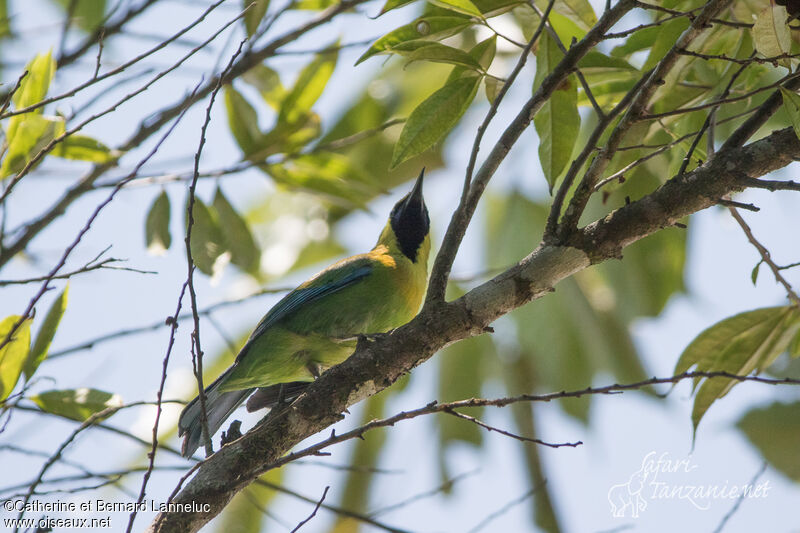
(317, 325)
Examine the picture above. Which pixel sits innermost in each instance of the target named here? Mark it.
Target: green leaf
(434, 118)
(244, 250)
(76, 404)
(31, 134)
(5, 23)
(34, 86)
(313, 5)
(771, 32)
(493, 87)
(207, 244)
(156, 227)
(487, 8)
(794, 346)
(741, 344)
(493, 8)
(566, 29)
(557, 122)
(440, 53)
(428, 28)
(88, 14)
(268, 83)
(791, 104)
(46, 333)
(754, 273)
(775, 431)
(579, 12)
(254, 15)
(394, 4)
(636, 42)
(14, 354)
(307, 88)
(328, 175)
(597, 63)
(83, 148)
(242, 120)
(665, 37)
(465, 7)
(483, 53)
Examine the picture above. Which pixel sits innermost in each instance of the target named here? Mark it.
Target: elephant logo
(628, 495)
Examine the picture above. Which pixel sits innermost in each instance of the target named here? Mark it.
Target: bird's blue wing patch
(300, 297)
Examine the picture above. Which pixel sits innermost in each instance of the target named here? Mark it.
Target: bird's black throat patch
(410, 223)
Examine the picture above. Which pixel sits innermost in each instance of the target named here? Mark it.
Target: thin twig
(104, 30)
(586, 89)
(62, 261)
(446, 486)
(338, 510)
(512, 435)
(435, 407)
(190, 286)
(314, 512)
(154, 446)
(158, 121)
(510, 505)
(99, 54)
(710, 118)
(105, 264)
(89, 422)
(162, 323)
(740, 499)
(771, 185)
(13, 91)
(197, 352)
(36, 226)
(766, 257)
(95, 79)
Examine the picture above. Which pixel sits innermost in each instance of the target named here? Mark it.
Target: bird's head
(409, 220)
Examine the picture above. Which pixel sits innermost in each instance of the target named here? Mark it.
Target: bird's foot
(371, 337)
(315, 369)
(281, 394)
(233, 433)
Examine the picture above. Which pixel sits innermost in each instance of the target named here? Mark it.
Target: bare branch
(314, 512)
(162, 323)
(513, 503)
(486, 426)
(106, 264)
(189, 284)
(765, 257)
(740, 499)
(96, 79)
(338, 510)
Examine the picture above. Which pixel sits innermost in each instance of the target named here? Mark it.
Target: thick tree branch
(376, 365)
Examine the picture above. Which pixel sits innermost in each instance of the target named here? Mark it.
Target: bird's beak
(415, 196)
(412, 204)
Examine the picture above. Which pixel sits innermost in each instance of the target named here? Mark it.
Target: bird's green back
(316, 324)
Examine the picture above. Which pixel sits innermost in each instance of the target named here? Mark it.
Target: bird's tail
(219, 406)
